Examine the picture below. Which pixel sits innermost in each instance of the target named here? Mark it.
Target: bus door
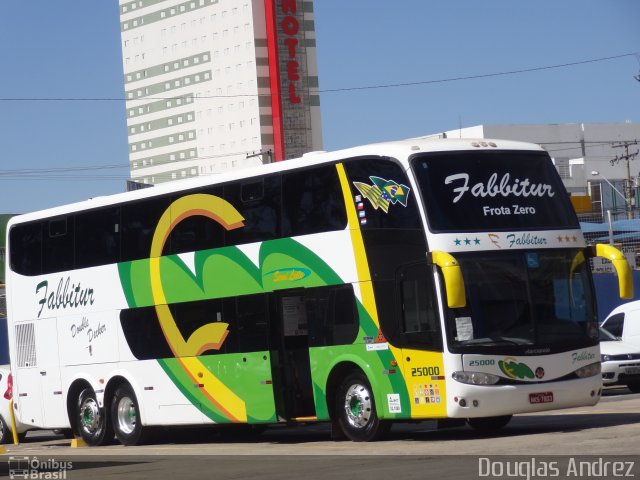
(420, 330)
(290, 356)
(37, 387)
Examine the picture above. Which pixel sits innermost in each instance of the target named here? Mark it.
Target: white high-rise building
(212, 85)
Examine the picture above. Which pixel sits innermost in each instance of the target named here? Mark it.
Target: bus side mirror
(619, 261)
(453, 280)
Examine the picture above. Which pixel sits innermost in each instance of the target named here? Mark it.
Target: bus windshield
(523, 302)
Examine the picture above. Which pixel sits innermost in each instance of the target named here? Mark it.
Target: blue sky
(71, 49)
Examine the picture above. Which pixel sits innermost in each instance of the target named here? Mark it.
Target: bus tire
(356, 410)
(125, 415)
(489, 424)
(93, 422)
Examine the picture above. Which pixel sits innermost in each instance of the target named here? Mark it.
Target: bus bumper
(471, 401)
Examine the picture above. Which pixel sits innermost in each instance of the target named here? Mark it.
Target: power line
(29, 171)
(486, 75)
(332, 90)
(62, 173)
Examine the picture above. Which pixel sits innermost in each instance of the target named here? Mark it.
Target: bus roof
(400, 149)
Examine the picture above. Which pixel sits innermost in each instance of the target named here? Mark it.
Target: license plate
(542, 397)
(632, 370)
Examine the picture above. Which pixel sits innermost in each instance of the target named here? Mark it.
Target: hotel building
(212, 85)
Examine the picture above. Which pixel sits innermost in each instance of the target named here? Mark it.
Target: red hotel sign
(290, 27)
(284, 32)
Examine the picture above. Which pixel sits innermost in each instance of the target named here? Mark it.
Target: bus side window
(419, 324)
(312, 201)
(143, 334)
(402, 211)
(332, 315)
(58, 245)
(25, 248)
(189, 316)
(258, 202)
(99, 231)
(197, 232)
(139, 223)
(248, 316)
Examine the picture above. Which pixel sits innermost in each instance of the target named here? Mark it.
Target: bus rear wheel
(93, 425)
(489, 424)
(356, 410)
(125, 415)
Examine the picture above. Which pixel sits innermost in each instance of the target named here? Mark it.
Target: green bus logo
(512, 369)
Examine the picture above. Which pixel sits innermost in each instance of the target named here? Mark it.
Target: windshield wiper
(497, 341)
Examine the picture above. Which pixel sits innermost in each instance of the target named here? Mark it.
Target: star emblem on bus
(467, 241)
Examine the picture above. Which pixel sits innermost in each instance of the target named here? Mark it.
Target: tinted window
(419, 323)
(258, 202)
(190, 316)
(25, 248)
(139, 222)
(332, 316)
(197, 232)
(615, 323)
(248, 319)
(382, 195)
(58, 245)
(312, 201)
(408, 310)
(143, 333)
(492, 191)
(98, 237)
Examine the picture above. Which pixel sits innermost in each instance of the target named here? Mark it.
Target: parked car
(624, 322)
(620, 361)
(6, 435)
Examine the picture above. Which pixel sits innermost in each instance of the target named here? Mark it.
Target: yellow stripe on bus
(364, 275)
(217, 392)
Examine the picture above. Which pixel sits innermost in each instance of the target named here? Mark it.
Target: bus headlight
(475, 378)
(589, 370)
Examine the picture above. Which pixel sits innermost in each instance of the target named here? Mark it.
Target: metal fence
(618, 227)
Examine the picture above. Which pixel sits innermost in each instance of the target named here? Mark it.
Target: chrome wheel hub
(90, 415)
(358, 406)
(126, 415)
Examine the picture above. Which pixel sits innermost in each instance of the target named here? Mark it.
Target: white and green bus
(420, 279)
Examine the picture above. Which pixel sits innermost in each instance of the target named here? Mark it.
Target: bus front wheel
(125, 415)
(356, 410)
(93, 424)
(489, 424)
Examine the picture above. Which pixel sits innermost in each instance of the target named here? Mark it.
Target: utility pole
(262, 154)
(627, 157)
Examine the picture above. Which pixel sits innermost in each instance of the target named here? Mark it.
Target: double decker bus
(420, 279)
